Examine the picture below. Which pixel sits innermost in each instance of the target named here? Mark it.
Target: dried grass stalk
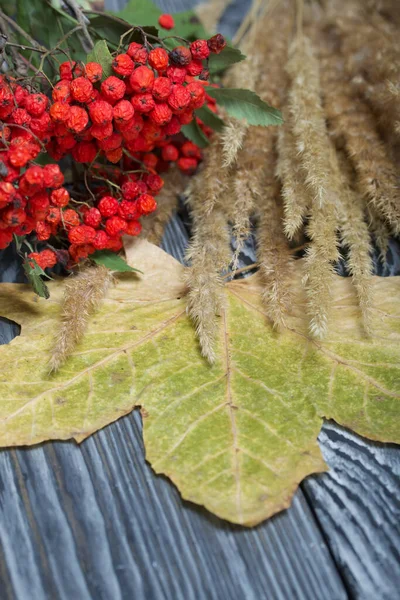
(167, 202)
(209, 255)
(379, 230)
(211, 12)
(83, 294)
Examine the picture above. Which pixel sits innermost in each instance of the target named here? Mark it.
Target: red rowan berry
(194, 68)
(162, 88)
(133, 228)
(187, 165)
(197, 94)
(101, 112)
(130, 190)
(170, 153)
(100, 132)
(158, 59)
(138, 53)
(59, 111)
(43, 231)
(101, 239)
(20, 116)
(108, 206)
(142, 79)
(80, 252)
(173, 127)
(66, 70)
(154, 182)
(20, 95)
(52, 176)
(180, 56)
(150, 160)
(113, 89)
(84, 152)
(92, 217)
(60, 197)
(200, 49)
(166, 21)
(176, 74)
(6, 237)
(111, 143)
(18, 157)
(39, 205)
(186, 116)
(35, 176)
(62, 91)
(216, 44)
(114, 244)
(7, 192)
(42, 126)
(67, 142)
(115, 155)
(143, 103)
(146, 204)
(190, 150)
(161, 114)
(54, 215)
(133, 48)
(179, 98)
(123, 111)
(128, 210)
(36, 104)
(123, 65)
(93, 71)
(81, 234)
(70, 218)
(26, 227)
(81, 89)
(77, 119)
(13, 217)
(116, 226)
(45, 259)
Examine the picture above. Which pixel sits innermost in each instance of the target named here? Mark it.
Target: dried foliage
(329, 173)
(83, 294)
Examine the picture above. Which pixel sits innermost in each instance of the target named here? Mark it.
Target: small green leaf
(195, 134)
(229, 56)
(244, 104)
(34, 274)
(112, 261)
(210, 119)
(102, 55)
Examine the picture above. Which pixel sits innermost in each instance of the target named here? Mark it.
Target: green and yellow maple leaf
(238, 436)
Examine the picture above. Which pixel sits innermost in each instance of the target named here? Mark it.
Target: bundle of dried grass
(83, 294)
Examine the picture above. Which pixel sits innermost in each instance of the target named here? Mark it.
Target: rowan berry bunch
(122, 131)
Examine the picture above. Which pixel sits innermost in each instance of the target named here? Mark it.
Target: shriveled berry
(166, 21)
(62, 91)
(54, 215)
(101, 239)
(81, 89)
(77, 119)
(204, 75)
(100, 132)
(45, 259)
(216, 43)
(176, 74)
(197, 94)
(128, 210)
(179, 98)
(113, 89)
(108, 206)
(123, 111)
(20, 116)
(194, 68)
(70, 218)
(200, 49)
(133, 228)
(92, 217)
(43, 231)
(143, 103)
(36, 104)
(59, 111)
(154, 182)
(93, 71)
(173, 127)
(146, 204)
(60, 197)
(101, 112)
(110, 143)
(162, 88)
(158, 59)
(13, 217)
(52, 176)
(81, 234)
(123, 65)
(161, 114)
(142, 79)
(34, 176)
(180, 56)
(116, 226)
(130, 190)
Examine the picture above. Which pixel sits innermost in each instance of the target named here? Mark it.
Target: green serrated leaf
(244, 104)
(34, 274)
(228, 57)
(102, 55)
(193, 133)
(210, 119)
(112, 261)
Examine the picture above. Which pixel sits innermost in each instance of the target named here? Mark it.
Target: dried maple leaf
(238, 436)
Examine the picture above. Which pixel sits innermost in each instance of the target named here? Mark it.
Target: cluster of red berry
(132, 118)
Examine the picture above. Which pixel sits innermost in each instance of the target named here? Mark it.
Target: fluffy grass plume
(82, 296)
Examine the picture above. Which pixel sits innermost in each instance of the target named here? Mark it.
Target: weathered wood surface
(94, 521)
